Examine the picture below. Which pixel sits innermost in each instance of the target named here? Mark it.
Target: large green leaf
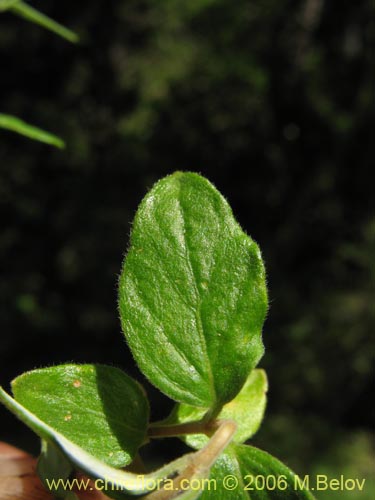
(24, 10)
(246, 409)
(244, 472)
(14, 124)
(96, 407)
(60, 456)
(192, 293)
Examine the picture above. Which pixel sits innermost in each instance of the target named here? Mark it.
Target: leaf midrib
(197, 313)
(181, 354)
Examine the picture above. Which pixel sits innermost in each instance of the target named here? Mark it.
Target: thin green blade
(14, 124)
(192, 293)
(7, 4)
(24, 10)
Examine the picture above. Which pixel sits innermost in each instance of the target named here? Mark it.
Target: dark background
(272, 100)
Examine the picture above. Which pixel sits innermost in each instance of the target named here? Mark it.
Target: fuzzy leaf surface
(98, 408)
(192, 293)
(246, 409)
(120, 484)
(242, 462)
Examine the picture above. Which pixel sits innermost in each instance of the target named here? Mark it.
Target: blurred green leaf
(14, 124)
(7, 4)
(352, 456)
(24, 10)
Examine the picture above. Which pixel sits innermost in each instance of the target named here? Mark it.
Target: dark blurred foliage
(272, 101)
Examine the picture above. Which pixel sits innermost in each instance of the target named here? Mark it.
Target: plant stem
(201, 461)
(203, 426)
(136, 466)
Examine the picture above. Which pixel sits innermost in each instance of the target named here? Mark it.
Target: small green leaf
(244, 472)
(53, 465)
(96, 407)
(192, 293)
(14, 124)
(24, 10)
(246, 409)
